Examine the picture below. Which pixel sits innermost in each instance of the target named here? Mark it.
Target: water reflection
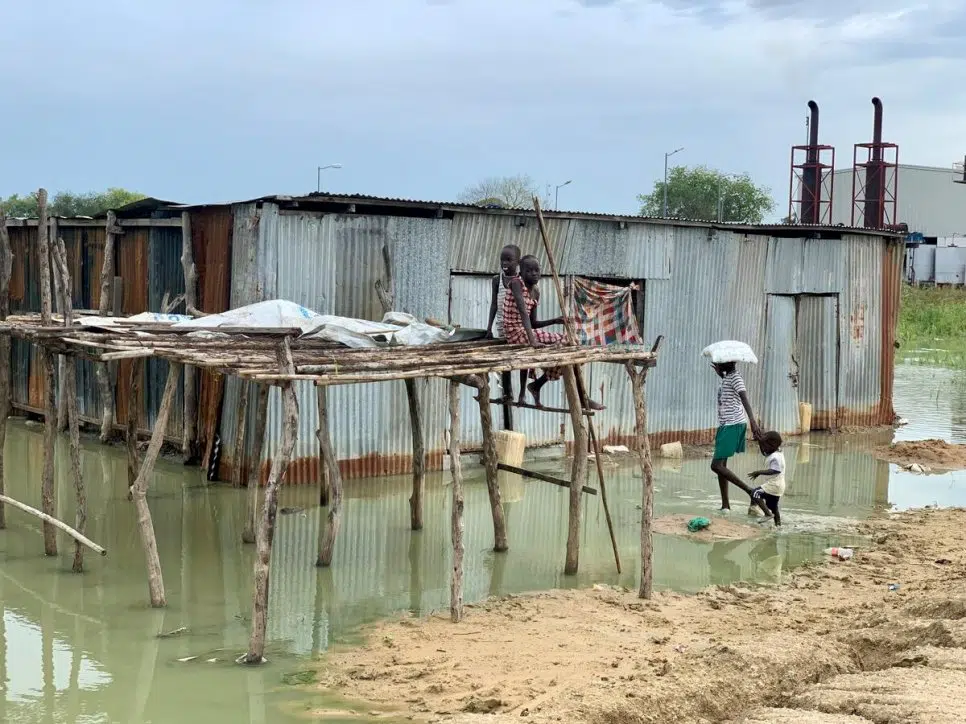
(86, 648)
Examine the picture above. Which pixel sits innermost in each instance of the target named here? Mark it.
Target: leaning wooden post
(266, 528)
(386, 294)
(578, 471)
(69, 392)
(241, 422)
(490, 464)
(50, 392)
(255, 468)
(139, 491)
(190, 373)
(578, 388)
(456, 522)
(104, 307)
(328, 532)
(6, 272)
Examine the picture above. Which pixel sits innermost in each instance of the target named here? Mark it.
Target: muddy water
(86, 648)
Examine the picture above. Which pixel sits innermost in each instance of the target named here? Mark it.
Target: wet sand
(925, 453)
(830, 644)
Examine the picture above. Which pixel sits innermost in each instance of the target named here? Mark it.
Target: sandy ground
(720, 528)
(830, 645)
(934, 454)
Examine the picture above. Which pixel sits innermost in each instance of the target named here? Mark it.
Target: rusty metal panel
(165, 275)
(818, 353)
(19, 243)
(860, 332)
(617, 249)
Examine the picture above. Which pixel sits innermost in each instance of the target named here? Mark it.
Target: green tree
(708, 195)
(67, 204)
(512, 192)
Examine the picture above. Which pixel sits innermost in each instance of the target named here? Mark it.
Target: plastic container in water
(843, 554)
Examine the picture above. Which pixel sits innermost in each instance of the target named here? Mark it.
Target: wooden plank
(560, 482)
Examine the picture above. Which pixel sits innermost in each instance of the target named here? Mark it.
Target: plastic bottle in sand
(843, 554)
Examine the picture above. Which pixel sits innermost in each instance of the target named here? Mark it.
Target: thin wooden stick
(69, 400)
(255, 466)
(139, 491)
(54, 522)
(580, 386)
(500, 542)
(329, 531)
(456, 522)
(543, 477)
(266, 528)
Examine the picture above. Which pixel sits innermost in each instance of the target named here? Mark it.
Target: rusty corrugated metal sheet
(818, 350)
(211, 237)
(891, 297)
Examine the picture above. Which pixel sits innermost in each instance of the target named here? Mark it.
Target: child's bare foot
(535, 391)
(522, 399)
(507, 399)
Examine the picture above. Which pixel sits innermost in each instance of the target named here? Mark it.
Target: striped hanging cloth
(604, 314)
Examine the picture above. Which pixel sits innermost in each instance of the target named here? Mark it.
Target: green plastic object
(696, 524)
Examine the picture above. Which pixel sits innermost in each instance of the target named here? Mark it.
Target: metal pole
(665, 185)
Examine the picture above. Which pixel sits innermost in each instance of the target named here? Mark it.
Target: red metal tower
(875, 179)
(812, 168)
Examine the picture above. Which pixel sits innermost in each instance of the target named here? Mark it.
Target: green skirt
(729, 441)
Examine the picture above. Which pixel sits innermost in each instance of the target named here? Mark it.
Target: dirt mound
(720, 529)
(831, 645)
(926, 453)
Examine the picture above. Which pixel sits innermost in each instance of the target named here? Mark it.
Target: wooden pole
(139, 491)
(578, 472)
(50, 392)
(241, 420)
(386, 293)
(60, 292)
(543, 477)
(266, 528)
(255, 467)
(643, 449)
(55, 523)
(328, 532)
(105, 307)
(500, 543)
(579, 387)
(6, 272)
(69, 400)
(190, 373)
(322, 435)
(456, 522)
(133, 406)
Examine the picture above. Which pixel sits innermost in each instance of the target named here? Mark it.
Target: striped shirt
(501, 292)
(730, 409)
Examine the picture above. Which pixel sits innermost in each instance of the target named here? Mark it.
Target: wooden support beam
(541, 408)
(133, 405)
(578, 473)
(456, 518)
(643, 449)
(105, 306)
(241, 422)
(544, 477)
(329, 531)
(266, 527)
(69, 400)
(500, 542)
(55, 523)
(50, 393)
(139, 491)
(255, 465)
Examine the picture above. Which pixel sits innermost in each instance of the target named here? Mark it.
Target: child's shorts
(770, 500)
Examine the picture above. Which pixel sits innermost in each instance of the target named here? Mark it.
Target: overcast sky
(216, 100)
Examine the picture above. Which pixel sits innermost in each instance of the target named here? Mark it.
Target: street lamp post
(556, 193)
(318, 186)
(666, 157)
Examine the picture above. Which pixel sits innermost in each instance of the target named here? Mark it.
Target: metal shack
(818, 304)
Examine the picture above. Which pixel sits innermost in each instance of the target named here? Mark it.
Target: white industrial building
(933, 206)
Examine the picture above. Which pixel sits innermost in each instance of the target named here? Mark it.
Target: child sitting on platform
(509, 269)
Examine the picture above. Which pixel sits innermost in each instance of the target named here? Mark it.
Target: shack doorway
(801, 361)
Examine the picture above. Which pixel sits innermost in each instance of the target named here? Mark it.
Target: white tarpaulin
(730, 351)
(271, 313)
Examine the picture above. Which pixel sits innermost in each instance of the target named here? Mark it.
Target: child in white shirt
(771, 491)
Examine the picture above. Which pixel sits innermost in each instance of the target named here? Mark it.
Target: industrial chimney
(875, 177)
(811, 176)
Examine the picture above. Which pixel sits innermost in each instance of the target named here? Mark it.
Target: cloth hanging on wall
(604, 314)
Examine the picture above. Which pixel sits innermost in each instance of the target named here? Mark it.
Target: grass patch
(932, 313)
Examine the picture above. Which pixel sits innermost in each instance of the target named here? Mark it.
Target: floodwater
(85, 648)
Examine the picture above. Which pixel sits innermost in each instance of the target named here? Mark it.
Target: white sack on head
(730, 351)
